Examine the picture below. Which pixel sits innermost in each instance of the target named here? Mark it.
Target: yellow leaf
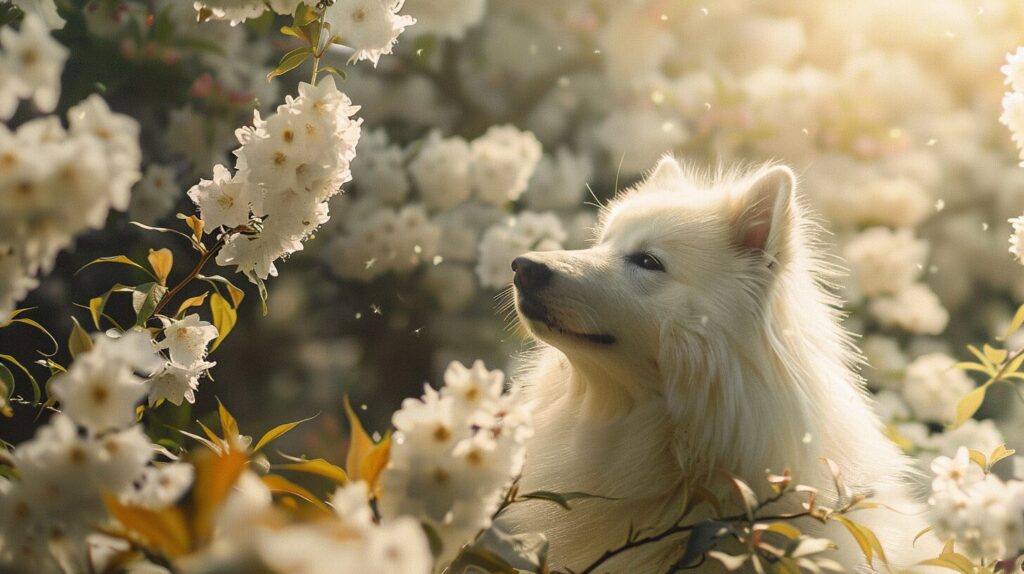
(215, 476)
(785, 529)
(1015, 324)
(969, 366)
(276, 432)
(921, 533)
(115, 259)
(278, 483)
(161, 260)
(196, 225)
(1014, 365)
(952, 561)
(224, 318)
(165, 531)
(228, 425)
(968, 405)
(865, 538)
(999, 454)
(978, 458)
(191, 302)
(79, 341)
(319, 467)
(216, 440)
(995, 356)
(359, 446)
(981, 356)
(374, 464)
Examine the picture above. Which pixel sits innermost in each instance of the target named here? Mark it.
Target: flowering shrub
(417, 149)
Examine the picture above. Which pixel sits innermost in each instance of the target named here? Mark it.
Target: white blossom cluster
(983, 514)
(185, 341)
(347, 540)
(56, 183)
(369, 27)
(49, 513)
(462, 190)
(454, 454)
(31, 63)
(287, 167)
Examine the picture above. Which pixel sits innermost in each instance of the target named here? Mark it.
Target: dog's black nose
(530, 275)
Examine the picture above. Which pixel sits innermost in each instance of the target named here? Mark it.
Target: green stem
(318, 52)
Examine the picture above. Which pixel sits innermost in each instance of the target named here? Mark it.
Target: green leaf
(79, 340)
(290, 61)
(702, 538)
(151, 293)
(295, 32)
(561, 498)
(276, 432)
(37, 394)
(119, 259)
(35, 325)
(304, 15)
(969, 366)
(6, 390)
(332, 70)
(224, 318)
(968, 405)
(161, 230)
(236, 294)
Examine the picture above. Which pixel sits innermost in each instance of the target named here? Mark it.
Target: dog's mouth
(536, 311)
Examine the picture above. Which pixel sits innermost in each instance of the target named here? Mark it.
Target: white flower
(294, 162)
(370, 27)
(155, 194)
(501, 163)
(223, 201)
(559, 182)
(885, 361)
(1013, 69)
(637, 138)
(160, 486)
(175, 383)
(240, 10)
(1017, 239)
(45, 9)
(441, 171)
(119, 136)
(379, 169)
(1013, 117)
(504, 242)
(186, 339)
(100, 390)
(933, 385)
(886, 261)
(30, 64)
(915, 308)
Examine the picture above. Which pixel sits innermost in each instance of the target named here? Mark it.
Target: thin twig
(191, 275)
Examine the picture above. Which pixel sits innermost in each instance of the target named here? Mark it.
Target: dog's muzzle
(533, 276)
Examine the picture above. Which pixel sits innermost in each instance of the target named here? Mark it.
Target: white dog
(694, 335)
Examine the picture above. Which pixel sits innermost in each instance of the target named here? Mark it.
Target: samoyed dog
(696, 335)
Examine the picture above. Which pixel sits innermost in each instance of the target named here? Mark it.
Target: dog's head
(674, 258)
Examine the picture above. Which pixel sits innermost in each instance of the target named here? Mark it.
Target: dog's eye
(646, 261)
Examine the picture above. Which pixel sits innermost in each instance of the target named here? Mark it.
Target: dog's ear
(762, 210)
(667, 171)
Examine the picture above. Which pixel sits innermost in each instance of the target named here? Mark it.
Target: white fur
(732, 358)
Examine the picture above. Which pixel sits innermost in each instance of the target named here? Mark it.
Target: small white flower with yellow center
(370, 27)
(186, 339)
(223, 201)
(31, 63)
